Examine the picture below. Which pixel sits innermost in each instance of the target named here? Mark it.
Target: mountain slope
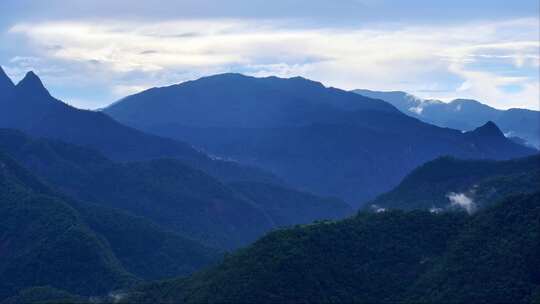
(464, 114)
(363, 259)
(144, 248)
(44, 295)
(496, 250)
(235, 100)
(388, 257)
(437, 184)
(323, 140)
(32, 109)
(50, 239)
(6, 85)
(167, 192)
(289, 207)
(44, 241)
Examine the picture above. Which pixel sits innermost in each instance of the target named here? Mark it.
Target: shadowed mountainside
(325, 140)
(169, 193)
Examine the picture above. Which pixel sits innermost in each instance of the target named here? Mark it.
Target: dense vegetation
(44, 241)
(387, 257)
(45, 295)
(145, 249)
(49, 239)
(494, 259)
(483, 181)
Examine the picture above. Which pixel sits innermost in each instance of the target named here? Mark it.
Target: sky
(92, 53)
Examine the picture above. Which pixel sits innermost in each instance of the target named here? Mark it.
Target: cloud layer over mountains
(492, 56)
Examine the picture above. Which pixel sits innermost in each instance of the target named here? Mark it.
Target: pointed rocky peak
(488, 129)
(5, 81)
(31, 85)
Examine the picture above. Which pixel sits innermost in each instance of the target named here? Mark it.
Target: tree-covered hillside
(168, 192)
(439, 183)
(387, 257)
(287, 207)
(44, 241)
(48, 239)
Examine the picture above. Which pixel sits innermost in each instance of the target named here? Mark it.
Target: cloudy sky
(91, 53)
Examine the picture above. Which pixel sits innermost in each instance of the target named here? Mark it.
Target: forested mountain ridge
(385, 257)
(44, 241)
(450, 183)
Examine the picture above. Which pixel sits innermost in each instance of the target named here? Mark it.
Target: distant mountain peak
(5, 81)
(32, 83)
(488, 129)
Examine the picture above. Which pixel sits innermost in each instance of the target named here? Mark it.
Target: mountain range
(465, 114)
(323, 140)
(28, 106)
(232, 188)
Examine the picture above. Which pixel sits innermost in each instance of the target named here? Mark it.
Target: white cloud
(461, 200)
(126, 56)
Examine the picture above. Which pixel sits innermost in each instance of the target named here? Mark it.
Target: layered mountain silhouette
(169, 193)
(386, 257)
(29, 107)
(324, 140)
(464, 114)
(50, 239)
(95, 211)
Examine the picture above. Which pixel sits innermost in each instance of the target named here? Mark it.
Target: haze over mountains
(98, 207)
(324, 140)
(464, 114)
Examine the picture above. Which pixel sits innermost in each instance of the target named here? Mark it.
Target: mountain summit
(236, 100)
(5, 81)
(31, 84)
(489, 129)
